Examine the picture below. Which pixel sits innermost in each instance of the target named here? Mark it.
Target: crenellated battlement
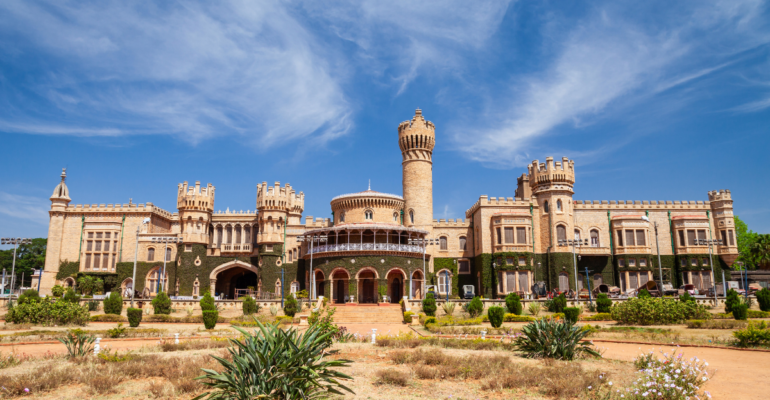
(451, 223)
(720, 195)
(486, 201)
(417, 137)
(642, 204)
(543, 175)
(120, 208)
(311, 223)
(195, 198)
(279, 198)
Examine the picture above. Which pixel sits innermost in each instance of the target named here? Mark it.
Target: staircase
(368, 314)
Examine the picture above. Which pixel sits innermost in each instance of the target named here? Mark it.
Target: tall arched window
(278, 287)
(594, 238)
(150, 254)
(342, 217)
(545, 206)
(558, 205)
(561, 232)
(411, 216)
(168, 253)
(442, 243)
(462, 243)
(395, 217)
(247, 234)
(368, 214)
(294, 288)
(577, 235)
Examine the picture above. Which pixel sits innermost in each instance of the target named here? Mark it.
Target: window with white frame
(642, 262)
(631, 262)
(368, 214)
(594, 238)
(444, 281)
(294, 288)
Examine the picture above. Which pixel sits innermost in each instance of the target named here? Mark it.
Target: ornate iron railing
(367, 247)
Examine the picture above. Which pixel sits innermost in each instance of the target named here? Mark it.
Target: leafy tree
(760, 250)
(763, 298)
(28, 296)
(71, 296)
(90, 285)
(57, 290)
(746, 239)
(28, 257)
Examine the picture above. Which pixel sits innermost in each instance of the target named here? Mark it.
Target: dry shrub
(561, 380)
(392, 377)
(40, 380)
(425, 372)
(160, 389)
(400, 356)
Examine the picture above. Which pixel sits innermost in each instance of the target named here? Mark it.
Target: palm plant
(449, 307)
(78, 343)
(549, 338)
(760, 250)
(534, 308)
(277, 364)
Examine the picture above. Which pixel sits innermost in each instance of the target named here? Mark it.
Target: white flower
(610, 383)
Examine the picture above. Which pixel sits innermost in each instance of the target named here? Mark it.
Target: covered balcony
(357, 239)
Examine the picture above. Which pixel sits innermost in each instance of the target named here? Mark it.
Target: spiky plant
(277, 364)
(449, 307)
(534, 308)
(549, 338)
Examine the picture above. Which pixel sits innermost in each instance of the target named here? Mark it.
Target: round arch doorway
(233, 277)
(395, 278)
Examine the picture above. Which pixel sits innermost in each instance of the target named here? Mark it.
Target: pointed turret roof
(61, 192)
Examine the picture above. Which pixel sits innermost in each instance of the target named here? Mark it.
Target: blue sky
(653, 100)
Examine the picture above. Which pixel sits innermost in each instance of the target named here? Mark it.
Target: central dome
(368, 206)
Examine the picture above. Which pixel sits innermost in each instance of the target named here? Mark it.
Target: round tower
(552, 184)
(416, 139)
(195, 206)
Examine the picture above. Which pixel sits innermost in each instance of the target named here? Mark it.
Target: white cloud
(197, 71)
(753, 106)
(31, 209)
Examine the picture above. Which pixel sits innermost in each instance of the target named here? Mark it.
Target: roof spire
(370, 184)
(63, 174)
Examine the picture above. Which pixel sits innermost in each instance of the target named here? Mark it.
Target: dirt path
(738, 374)
(37, 350)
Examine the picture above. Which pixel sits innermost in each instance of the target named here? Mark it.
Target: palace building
(383, 247)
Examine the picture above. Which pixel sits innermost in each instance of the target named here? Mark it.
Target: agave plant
(78, 344)
(449, 307)
(534, 308)
(549, 338)
(274, 310)
(277, 364)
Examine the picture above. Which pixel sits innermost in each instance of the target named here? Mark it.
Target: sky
(654, 100)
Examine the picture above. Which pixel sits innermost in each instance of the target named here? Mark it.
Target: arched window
(229, 230)
(342, 217)
(368, 214)
(442, 243)
(462, 243)
(278, 287)
(247, 234)
(150, 254)
(168, 253)
(563, 282)
(290, 255)
(238, 234)
(558, 205)
(577, 235)
(545, 207)
(444, 282)
(411, 216)
(395, 217)
(594, 238)
(561, 232)
(153, 283)
(597, 280)
(294, 288)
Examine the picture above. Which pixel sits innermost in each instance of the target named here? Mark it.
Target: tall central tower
(416, 139)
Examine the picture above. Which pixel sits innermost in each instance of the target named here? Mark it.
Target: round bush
(430, 320)
(496, 315)
(513, 303)
(28, 296)
(571, 314)
(740, 312)
(162, 304)
(71, 296)
(57, 291)
(657, 311)
(249, 305)
(763, 298)
(408, 317)
(113, 304)
(558, 304)
(210, 319)
(290, 306)
(603, 303)
(207, 302)
(475, 307)
(134, 316)
(429, 305)
(731, 300)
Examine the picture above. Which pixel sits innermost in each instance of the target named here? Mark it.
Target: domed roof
(61, 191)
(369, 193)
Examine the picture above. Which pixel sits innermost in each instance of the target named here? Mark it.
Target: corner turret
(195, 206)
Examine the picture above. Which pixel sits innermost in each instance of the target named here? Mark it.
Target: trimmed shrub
(429, 305)
(756, 333)
(134, 316)
(57, 290)
(598, 317)
(475, 307)
(408, 317)
(249, 306)
(558, 304)
(113, 304)
(643, 294)
(731, 300)
(495, 315)
(657, 311)
(46, 311)
(210, 318)
(603, 303)
(162, 304)
(108, 318)
(430, 320)
(513, 303)
(71, 296)
(28, 296)
(763, 298)
(571, 314)
(686, 297)
(517, 318)
(207, 302)
(290, 306)
(739, 312)
(93, 305)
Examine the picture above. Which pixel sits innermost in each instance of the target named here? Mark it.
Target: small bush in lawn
(513, 303)
(657, 311)
(113, 304)
(162, 304)
(756, 333)
(71, 296)
(290, 307)
(207, 302)
(134, 316)
(603, 303)
(475, 307)
(739, 312)
(210, 318)
(57, 291)
(392, 377)
(558, 304)
(117, 331)
(408, 317)
(571, 314)
(763, 298)
(534, 309)
(249, 305)
(429, 305)
(549, 338)
(430, 320)
(496, 316)
(686, 297)
(643, 294)
(28, 296)
(731, 300)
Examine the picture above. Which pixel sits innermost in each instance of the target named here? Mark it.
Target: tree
(746, 239)
(760, 250)
(28, 257)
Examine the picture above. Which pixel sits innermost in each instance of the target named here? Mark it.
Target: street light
(321, 238)
(15, 242)
(165, 240)
(746, 284)
(573, 244)
(425, 242)
(136, 257)
(710, 243)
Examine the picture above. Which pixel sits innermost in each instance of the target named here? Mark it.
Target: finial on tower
(418, 111)
(63, 174)
(370, 184)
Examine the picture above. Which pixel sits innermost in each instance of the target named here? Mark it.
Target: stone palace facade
(380, 246)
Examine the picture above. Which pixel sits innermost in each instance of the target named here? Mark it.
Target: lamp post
(311, 240)
(710, 243)
(425, 242)
(574, 243)
(15, 242)
(745, 285)
(165, 240)
(136, 257)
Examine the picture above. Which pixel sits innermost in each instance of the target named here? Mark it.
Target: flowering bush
(656, 311)
(673, 378)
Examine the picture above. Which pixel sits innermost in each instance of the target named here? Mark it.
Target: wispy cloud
(197, 71)
(753, 106)
(26, 208)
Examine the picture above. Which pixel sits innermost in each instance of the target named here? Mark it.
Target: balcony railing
(510, 247)
(408, 248)
(236, 248)
(590, 250)
(633, 250)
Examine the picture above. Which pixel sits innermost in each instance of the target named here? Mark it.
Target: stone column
(213, 287)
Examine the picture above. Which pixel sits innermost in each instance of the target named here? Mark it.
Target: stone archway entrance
(395, 278)
(417, 285)
(340, 280)
(231, 279)
(367, 287)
